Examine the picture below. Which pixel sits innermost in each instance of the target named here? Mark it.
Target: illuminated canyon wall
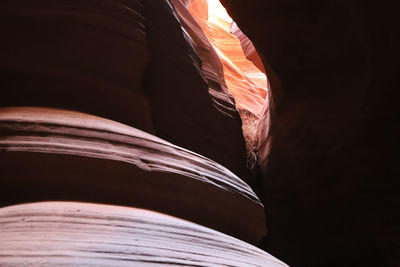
(246, 81)
(215, 35)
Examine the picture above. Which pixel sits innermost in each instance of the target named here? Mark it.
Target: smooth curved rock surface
(71, 234)
(50, 154)
(84, 55)
(248, 48)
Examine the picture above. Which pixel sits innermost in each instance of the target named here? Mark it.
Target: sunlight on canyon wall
(244, 74)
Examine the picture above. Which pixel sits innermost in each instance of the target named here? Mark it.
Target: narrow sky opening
(217, 11)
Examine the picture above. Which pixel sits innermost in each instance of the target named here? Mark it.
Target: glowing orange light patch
(247, 83)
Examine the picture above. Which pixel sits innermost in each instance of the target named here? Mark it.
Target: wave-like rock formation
(81, 234)
(75, 156)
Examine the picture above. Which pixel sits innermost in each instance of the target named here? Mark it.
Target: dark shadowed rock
(331, 182)
(82, 55)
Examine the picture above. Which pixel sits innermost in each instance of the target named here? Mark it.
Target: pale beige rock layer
(81, 234)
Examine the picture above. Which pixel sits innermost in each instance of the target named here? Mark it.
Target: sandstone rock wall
(246, 82)
(83, 234)
(132, 69)
(330, 173)
(52, 154)
(86, 55)
(129, 61)
(179, 88)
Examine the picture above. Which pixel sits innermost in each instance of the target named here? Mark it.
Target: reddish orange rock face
(243, 71)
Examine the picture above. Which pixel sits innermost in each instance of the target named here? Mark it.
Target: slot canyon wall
(120, 143)
(328, 163)
(126, 61)
(126, 104)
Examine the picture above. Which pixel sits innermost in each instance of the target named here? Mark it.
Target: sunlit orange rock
(211, 65)
(243, 71)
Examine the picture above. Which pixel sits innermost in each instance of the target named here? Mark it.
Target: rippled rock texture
(82, 234)
(51, 154)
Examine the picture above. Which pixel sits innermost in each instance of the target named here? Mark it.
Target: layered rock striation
(75, 156)
(71, 234)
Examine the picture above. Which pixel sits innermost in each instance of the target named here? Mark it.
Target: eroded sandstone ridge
(82, 234)
(75, 156)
